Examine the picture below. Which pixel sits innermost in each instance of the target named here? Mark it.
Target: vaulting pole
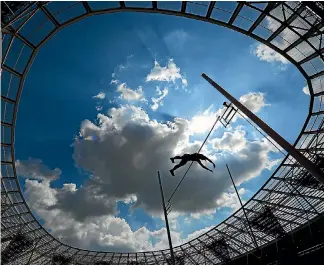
(166, 220)
(238, 196)
(308, 165)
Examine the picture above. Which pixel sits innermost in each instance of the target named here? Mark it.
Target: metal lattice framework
(289, 28)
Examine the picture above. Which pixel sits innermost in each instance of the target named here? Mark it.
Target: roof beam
(282, 206)
(256, 212)
(246, 232)
(317, 75)
(317, 113)
(86, 6)
(8, 100)
(236, 12)
(286, 23)
(309, 34)
(6, 162)
(319, 94)
(6, 124)
(312, 56)
(294, 194)
(210, 8)
(314, 132)
(320, 149)
(266, 11)
(188, 256)
(183, 6)
(201, 253)
(49, 15)
(20, 37)
(229, 246)
(12, 71)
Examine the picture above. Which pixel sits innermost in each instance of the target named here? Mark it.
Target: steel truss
(295, 199)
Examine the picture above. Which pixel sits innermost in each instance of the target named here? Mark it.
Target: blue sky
(80, 62)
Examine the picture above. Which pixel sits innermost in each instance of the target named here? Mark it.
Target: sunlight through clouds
(127, 115)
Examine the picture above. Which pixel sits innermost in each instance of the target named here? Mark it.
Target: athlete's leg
(182, 163)
(199, 162)
(176, 157)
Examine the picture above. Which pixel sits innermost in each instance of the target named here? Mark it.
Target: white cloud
(100, 233)
(286, 37)
(98, 108)
(232, 142)
(35, 169)
(230, 199)
(132, 148)
(158, 101)
(169, 73)
(114, 81)
(142, 146)
(101, 95)
(306, 90)
(254, 101)
(130, 94)
(202, 122)
(265, 53)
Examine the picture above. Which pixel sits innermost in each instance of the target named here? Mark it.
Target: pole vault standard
(308, 165)
(166, 220)
(238, 196)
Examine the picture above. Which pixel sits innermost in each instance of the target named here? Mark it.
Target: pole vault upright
(166, 221)
(308, 165)
(238, 196)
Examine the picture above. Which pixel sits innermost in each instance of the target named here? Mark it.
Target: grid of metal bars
(289, 28)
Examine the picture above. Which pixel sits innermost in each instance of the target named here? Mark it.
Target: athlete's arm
(204, 166)
(209, 160)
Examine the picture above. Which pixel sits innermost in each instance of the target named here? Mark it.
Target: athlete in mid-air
(190, 157)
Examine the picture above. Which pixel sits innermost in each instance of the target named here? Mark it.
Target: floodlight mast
(307, 164)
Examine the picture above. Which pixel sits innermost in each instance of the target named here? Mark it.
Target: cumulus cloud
(114, 81)
(35, 169)
(230, 199)
(265, 53)
(306, 90)
(144, 146)
(100, 95)
(157, 101)
(286, 37)
(203, 121)
(130, 94)
(98, 108)
(253, 101)
(232, 142)
(101, 233)
(125, 150)
(168, 73)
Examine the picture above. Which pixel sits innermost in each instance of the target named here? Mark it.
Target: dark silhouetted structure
(296, 199)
